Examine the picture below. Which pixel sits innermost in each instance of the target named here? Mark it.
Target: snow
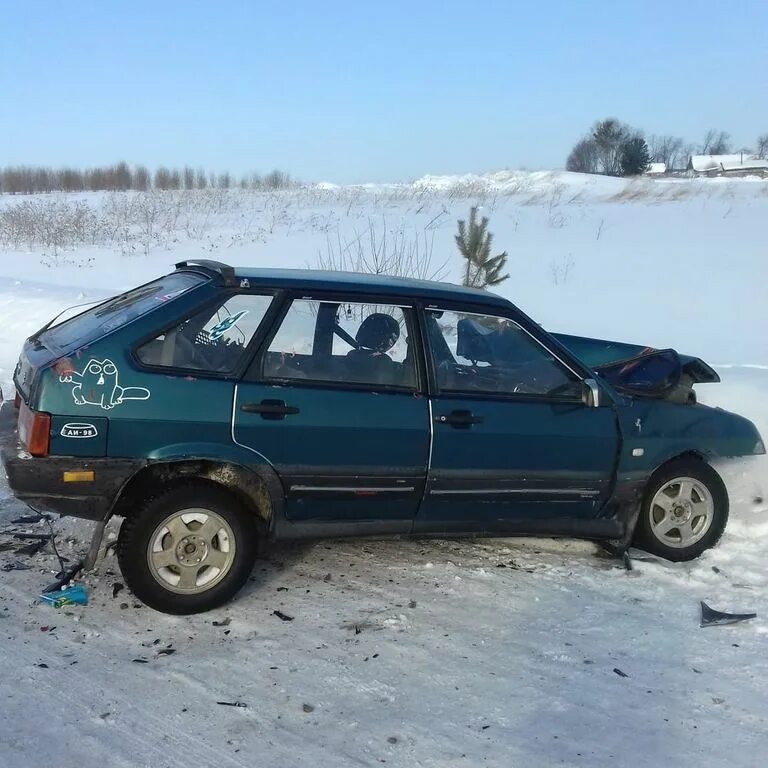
(733, 162)
(430, 653)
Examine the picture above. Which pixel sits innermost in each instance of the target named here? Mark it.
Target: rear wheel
(188, 550)
(685, 510)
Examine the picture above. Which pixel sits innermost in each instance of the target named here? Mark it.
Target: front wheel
(684, 512)
(187, 550)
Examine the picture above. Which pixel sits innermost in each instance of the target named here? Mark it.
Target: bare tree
(201, 180)
(667, 150)
(583, 157)
(762, 146)
(141, 178)
(162, 178)
(385, 251)
(189, 178)
(716, 142)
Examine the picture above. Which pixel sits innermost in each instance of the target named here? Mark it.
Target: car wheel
(684, 512)
(187, 550)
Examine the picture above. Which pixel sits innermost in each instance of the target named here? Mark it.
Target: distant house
(739, 164)
(656, 169)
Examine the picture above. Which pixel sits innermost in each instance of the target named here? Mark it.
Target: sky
(369, 90)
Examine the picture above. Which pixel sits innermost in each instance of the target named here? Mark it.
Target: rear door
(334, 402)
(514, 447)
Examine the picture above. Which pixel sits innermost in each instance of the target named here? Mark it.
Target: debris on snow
(75, 595)
(712, 618)
(619, 672)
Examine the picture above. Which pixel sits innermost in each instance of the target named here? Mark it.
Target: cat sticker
(97, 384)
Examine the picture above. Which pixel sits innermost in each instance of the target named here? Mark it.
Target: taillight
(34, 430)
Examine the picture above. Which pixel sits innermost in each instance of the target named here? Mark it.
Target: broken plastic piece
(710, 617)
(70, 596)
(64, 577)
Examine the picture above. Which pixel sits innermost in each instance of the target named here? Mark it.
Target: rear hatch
(57, 340)
(42, 433)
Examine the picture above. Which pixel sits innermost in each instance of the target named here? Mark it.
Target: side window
(212, 340)
(494, 355)
(354, 343)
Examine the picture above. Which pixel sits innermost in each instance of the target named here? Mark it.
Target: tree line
(614, 148)
(29, 179)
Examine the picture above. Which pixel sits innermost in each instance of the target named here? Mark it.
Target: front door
(334, 403)
(514, 447)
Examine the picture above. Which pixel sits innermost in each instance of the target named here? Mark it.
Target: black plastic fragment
(282, 616)
(27, 519)
(619, 672)
(31, 549)
(712, 618)
(222, 623)
(232, 703)
(65, 577)
(117, 587)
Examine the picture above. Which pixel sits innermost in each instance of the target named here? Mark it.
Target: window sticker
(97, 384)
(224, 325)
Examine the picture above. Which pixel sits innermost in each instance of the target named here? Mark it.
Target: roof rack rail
(218, 268)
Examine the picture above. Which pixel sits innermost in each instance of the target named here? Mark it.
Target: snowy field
(419, 653)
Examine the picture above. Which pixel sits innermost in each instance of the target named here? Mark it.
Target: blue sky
(369, 91)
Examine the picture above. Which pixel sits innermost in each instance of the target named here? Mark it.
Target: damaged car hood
(641, 371)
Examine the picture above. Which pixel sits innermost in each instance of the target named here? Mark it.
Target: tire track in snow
(135, 724)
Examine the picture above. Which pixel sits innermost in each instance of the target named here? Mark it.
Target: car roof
(357, 282)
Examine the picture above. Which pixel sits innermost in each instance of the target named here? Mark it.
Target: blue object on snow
(69, 596)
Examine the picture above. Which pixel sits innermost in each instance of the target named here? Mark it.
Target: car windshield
(116, 312)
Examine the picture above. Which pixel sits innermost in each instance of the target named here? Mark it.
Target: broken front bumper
(41, 483)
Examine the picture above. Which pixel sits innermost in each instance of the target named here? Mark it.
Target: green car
(216, 410)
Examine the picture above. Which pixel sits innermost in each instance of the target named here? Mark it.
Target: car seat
(377, 334)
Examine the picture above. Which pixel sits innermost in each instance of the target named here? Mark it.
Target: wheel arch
(258, 489)
(689, 453)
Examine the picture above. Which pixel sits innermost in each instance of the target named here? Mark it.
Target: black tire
(137, 530)
(698, 470)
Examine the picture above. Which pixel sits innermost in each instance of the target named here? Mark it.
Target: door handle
(460, 419)
(271, 410)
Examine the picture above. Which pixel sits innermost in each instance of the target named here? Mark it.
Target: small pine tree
(474, 243)
(635, 156)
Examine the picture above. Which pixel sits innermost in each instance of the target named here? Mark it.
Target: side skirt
(601, 528)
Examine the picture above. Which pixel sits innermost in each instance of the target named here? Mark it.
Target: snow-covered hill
(418, 653)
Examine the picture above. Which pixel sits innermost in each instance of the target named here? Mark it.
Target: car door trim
(351, 489)
(581, 492)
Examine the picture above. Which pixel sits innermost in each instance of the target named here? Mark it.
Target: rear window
(118, 311)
